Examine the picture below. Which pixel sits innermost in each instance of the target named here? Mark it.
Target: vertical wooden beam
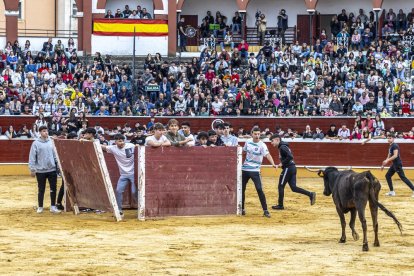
(11, 12)
(172, 28)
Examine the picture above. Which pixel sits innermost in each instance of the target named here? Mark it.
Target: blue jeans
(231, 45)
(123, 182)
(235, 28)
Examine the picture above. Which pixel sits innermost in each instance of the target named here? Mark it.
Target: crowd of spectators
(138, 13)
(293, 80)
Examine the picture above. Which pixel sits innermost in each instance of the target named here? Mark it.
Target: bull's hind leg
(374, 214)
(343, 225)
(360, 206)
(352, 224)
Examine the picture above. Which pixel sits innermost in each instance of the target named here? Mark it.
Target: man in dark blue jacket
(288, 174)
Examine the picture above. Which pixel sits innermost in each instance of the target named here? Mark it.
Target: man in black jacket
(288, 174)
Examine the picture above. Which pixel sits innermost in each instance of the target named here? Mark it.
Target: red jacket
(244, 46)
(210, 75)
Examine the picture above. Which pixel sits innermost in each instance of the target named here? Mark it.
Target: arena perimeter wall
(205, 123)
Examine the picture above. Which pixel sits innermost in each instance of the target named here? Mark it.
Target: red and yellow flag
(125, 27)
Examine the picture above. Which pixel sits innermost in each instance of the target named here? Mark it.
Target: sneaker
(278, 207)
(412, 195)
(313, 198)
(243, 212)
(266, 214)
(60, 207)
(54, 210)
(390, 193)
(39, 210)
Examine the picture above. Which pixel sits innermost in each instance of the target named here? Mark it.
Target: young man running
(124, 156)
(255, 151)
(288, 174)
(396, 167)
(42, 164)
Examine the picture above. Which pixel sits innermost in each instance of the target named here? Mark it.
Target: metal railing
(47, 33)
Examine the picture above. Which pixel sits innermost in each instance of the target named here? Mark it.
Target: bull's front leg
(343, 224)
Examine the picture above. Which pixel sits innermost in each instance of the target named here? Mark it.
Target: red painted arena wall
(310, 153)
(190, 181)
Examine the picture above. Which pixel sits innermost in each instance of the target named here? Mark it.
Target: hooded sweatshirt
(42, 158)
(285, 155)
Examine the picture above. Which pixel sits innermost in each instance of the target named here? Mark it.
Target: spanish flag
(125, 27)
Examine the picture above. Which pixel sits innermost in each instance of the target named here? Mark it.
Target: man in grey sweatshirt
(42, 164)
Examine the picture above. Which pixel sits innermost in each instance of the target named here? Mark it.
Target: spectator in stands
(145, 14)
(282, 24)
(343, 132)
(109, 14)
(119, 14)
(307, 134)
(127, 12)
(318, 134)
(236, 23)
(134, 15)
(176, 139)
(262, 26)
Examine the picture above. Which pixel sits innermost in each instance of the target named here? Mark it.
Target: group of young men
(43, 162)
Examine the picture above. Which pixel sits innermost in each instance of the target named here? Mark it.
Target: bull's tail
(374, 199)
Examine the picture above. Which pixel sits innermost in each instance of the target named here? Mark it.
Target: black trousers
(288, 175)
(257, 180)
(399, 170)
(41, 184)
(61, 193)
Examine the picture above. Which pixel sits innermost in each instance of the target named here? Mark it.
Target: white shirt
(124, 158)
(152, 138)
(254, 155)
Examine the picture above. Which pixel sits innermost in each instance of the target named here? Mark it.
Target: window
(20, 9)
(74, 8)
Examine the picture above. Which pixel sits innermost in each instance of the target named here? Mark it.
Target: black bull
(350, 192)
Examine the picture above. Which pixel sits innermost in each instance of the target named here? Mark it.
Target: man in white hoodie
(42, 164)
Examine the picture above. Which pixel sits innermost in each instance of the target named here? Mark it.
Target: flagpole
(133, 65)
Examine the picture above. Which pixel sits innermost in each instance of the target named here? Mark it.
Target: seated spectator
(145, 14)
(356, 134)
(24, 133)
(343, 133)
(307, 134)
(11, 133)
(318, 134)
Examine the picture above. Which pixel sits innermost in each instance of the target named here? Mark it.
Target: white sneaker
(391, 193)
(39, 210)
(54, 209)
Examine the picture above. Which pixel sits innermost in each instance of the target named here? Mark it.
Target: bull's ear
(320, 173)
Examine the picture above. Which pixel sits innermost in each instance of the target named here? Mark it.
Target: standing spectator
(262, 28)
(182, 35)
(127, 12)
(145, 14)
(237, 20)
(282, 24)
(119, 14)
(42, 164)
(109, 14)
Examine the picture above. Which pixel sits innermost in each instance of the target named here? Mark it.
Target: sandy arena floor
(300, 240)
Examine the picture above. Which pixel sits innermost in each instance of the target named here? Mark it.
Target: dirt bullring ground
(301, 240)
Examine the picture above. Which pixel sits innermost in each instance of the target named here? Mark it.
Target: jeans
(269, 80)
(235, 27)
(257, 180)
(288, 175)
(399, 170)
(262, 68)
(231, 45)
(41, 184)
(123, 182)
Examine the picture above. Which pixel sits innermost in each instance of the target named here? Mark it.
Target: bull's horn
(313, 170)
